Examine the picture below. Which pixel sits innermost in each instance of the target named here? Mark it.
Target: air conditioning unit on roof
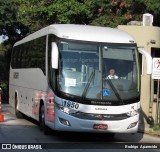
(147, 19)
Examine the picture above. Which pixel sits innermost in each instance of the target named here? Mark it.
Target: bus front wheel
(43, 126)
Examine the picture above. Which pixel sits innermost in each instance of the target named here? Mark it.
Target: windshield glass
(95, 71)
(120, 72)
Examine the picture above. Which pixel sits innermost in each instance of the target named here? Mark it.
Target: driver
(112, 74)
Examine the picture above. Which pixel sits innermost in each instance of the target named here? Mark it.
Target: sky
(1, 38)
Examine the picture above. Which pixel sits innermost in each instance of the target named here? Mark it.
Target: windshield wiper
(88, 84)
(115, 91)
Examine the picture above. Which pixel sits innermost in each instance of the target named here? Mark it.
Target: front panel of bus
(85, 99)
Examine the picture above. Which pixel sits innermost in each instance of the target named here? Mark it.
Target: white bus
(58, 77)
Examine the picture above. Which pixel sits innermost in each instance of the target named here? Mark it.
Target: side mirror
(54, 56)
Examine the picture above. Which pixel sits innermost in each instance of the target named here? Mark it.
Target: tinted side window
(30, 54)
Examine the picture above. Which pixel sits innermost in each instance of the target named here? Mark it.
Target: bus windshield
(96, 71)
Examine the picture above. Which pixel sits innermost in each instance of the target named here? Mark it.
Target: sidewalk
(148, 130)
(8, 113)
(8, 110)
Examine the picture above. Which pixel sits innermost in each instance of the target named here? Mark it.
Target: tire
(42, 124)
(17, 113)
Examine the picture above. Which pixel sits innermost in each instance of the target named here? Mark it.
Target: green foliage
(108, 13)
(4, 87)
(36, 15)
(39, 13)
(3, 64)
(156, 127)
(153, 6)
(4, 71)
(7, 13)
(8, 22)
(64, 11)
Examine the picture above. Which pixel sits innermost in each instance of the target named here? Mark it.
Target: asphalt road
(17, 134)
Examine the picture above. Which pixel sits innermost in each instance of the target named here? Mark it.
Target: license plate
(100, 126)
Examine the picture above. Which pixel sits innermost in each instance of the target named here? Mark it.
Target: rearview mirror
(54, 56)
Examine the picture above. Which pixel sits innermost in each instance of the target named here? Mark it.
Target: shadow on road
(91, 137)
(62, 136)
(96, 137)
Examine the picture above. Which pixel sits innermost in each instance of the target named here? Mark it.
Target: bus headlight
(66, 109)
(132, 113)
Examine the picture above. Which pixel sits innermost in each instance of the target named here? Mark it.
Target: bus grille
(104, 117)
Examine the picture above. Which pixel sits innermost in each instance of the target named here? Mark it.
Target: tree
(115, 12)
(14, 31)
(138, 7)
(8, 23)
(4, 72)
(19, 17)
(39, 14)
(100, 12)
(36, 14)
(153, 7)
(108, 13)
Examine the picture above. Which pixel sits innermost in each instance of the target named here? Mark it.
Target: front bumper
(67, 122)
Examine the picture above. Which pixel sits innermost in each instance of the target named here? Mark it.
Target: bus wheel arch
(42, 124)
(17, 112)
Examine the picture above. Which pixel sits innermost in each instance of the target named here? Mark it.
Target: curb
(153, 133)
(150, 131)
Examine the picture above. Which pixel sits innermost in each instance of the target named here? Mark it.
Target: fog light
(64, 122)
(132, 125)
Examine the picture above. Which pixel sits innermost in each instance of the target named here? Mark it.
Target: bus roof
(82, 32)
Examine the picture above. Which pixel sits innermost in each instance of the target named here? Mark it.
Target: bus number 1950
(70, 104)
